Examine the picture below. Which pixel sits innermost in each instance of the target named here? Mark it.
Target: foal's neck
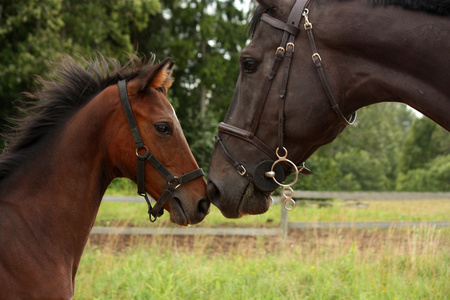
(61, 187)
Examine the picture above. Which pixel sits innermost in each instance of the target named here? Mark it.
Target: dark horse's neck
(55, 207)
(385, 53)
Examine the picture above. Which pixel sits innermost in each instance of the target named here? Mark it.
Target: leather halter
(173, 182)
(284, 51)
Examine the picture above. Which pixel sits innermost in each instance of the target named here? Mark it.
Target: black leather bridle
(270, 173)
(173, 182)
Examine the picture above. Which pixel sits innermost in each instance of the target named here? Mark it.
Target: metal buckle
(172, 182)
(241, 170)
(291, 44)
(280, 49)
(316, 55)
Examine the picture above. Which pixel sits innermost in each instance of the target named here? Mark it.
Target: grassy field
(310, 264)
(313, 264)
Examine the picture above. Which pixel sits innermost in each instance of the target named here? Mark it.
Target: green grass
(341, 263)
(330, 264)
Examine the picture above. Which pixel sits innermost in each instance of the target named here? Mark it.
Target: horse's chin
(177, 214)
(252, 202)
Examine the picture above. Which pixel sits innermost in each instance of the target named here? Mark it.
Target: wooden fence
(285, 225)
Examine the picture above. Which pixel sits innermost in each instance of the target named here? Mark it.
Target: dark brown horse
(308, 68)
(66, 152)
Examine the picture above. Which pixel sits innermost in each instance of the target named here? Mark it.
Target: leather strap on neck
(323, 78)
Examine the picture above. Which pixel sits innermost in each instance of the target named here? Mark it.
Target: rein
(173, 182)
(270, 174)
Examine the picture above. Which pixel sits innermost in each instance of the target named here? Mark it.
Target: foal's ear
(161, 77)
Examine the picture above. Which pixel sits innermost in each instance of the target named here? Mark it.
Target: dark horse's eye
(163, 128)
(250, 66)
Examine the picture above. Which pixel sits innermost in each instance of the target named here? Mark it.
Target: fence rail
(285, 225)
(391, 196)
(186, 231)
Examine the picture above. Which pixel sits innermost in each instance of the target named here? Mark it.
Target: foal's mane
(440, 7)
(74, 85)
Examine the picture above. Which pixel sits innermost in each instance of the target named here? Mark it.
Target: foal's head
(163, 138)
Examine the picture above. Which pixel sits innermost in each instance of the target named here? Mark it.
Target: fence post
(284, 222)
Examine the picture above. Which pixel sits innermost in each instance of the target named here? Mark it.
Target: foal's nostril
(203, 207)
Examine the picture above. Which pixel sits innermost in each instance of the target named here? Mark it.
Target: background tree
(205, 38)
(388, 148)
(424, 164)
(365, 156)
(29, 38)
(35, 33)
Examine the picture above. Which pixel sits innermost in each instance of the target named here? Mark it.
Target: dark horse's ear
(160, 77)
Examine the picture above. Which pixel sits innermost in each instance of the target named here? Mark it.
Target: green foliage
(365, 155)
(29, 35)
(35, 33)
(204, 38)
(424, 164)
(434, 177)
(108, 27)
(425, 141)
(199, 131)
(385, 150)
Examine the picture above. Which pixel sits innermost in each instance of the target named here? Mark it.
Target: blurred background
(391, 147)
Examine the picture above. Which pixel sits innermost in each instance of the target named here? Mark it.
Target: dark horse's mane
(440, 7)
(75, 84)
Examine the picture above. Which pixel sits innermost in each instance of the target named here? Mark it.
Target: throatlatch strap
(323, 78)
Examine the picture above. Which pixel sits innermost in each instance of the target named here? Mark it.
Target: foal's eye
(163, 128)
(249, 66)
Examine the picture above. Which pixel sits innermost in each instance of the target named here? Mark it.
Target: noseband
(270, 174)
(173, 182)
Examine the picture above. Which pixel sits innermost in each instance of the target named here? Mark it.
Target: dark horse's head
(268, 113)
